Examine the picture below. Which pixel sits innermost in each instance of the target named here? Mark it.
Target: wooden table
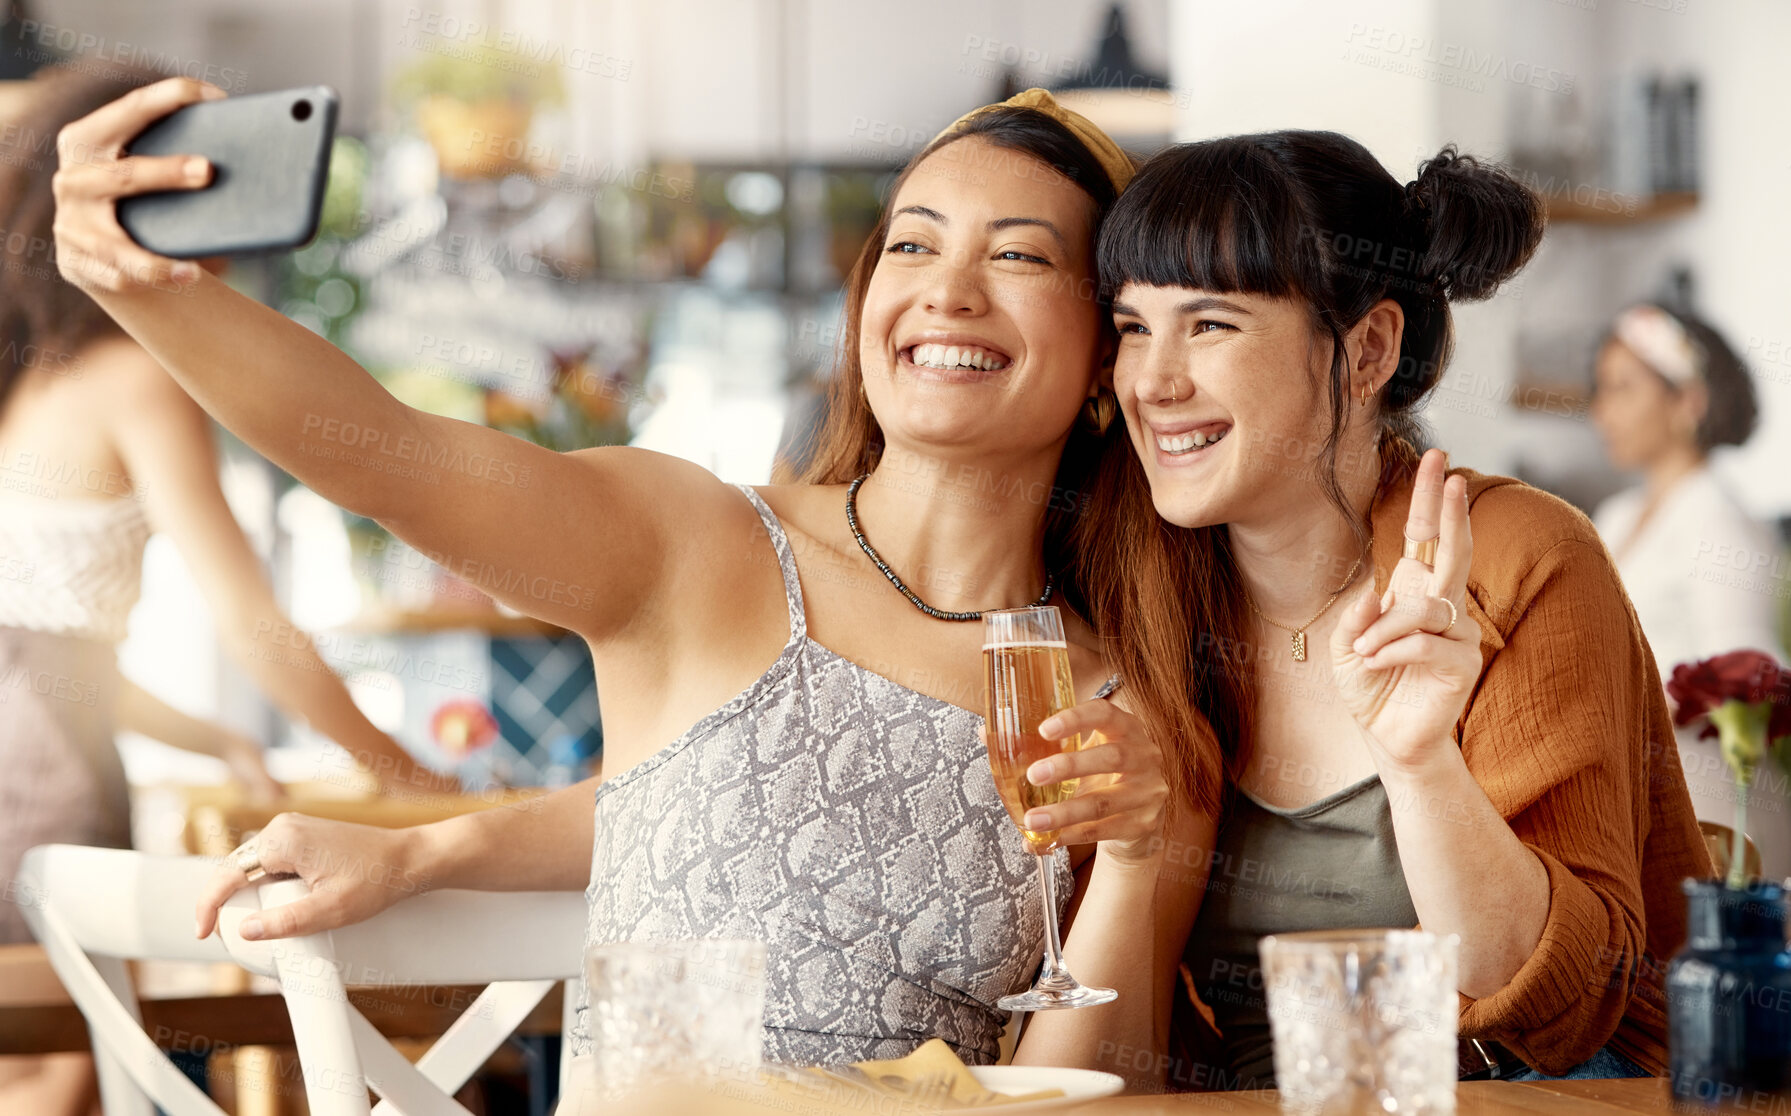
(1645, 1095)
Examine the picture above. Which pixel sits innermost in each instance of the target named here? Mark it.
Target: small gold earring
(1367, 390)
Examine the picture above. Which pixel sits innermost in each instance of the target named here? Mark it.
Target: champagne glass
(1026, 678)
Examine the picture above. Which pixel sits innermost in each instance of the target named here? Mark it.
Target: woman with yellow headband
(790, 695)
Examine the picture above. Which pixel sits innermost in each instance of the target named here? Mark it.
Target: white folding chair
(94, 909)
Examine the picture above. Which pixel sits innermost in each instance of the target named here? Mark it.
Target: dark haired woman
(792, 742)
(1700, 571)
(1415, 727)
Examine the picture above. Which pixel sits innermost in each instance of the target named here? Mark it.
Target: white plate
(1078, 1085)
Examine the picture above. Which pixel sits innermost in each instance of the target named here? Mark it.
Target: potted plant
(474, 104)
(1729, 988)
(585, 405)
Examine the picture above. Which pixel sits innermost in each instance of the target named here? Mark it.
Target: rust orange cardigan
(1569, 734)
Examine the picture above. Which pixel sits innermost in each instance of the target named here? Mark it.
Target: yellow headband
(1115, 162)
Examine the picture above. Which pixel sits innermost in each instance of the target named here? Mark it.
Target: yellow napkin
(930, 1080)
(934, 1075)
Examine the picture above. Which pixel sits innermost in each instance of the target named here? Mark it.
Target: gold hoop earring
(1098, 411)
(1367, 390)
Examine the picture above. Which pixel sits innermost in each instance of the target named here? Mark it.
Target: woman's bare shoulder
(813, 519)
(807, 507)
(121, 378)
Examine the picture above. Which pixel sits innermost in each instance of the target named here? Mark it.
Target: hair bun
(1475, 223)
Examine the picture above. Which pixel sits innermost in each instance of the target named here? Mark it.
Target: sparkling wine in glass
(1026, 678)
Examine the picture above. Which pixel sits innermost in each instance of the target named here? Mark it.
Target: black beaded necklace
(870, 551)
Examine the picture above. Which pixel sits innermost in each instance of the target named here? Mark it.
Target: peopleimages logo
(1426, 57)
(406, 455)
(45, 684)
(454, 37)
(51, 40)
(15, 355)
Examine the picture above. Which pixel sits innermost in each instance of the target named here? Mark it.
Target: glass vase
(1729, 995)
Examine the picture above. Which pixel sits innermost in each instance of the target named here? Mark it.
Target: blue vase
(1729, 995)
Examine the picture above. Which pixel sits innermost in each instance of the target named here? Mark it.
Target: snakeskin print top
(852, 825)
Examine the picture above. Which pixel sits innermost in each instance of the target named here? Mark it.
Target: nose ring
(1172, 391)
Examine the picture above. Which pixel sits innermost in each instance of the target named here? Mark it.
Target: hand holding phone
(98, 169)
(270, 157)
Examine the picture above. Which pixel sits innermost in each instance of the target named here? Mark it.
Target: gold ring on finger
(1452, 615)
(1425, 551)
(247, 860)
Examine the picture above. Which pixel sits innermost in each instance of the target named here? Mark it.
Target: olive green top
(1328, 865)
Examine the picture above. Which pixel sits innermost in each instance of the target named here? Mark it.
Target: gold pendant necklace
(1299, 633)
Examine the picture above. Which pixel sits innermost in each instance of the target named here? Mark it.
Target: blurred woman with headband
(1704, 576)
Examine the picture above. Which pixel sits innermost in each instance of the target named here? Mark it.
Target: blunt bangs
(1216, 216)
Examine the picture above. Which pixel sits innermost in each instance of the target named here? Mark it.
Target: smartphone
(270, 155)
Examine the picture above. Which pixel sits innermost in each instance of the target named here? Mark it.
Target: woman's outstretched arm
(165, 443)
(142, 712)
(576, 539)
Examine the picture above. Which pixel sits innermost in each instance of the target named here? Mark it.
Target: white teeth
(1186, 443)
(957, 356)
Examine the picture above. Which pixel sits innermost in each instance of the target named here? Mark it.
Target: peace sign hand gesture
(1405, 664)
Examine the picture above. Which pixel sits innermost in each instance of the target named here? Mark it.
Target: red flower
(1749, 676)
(463, 726)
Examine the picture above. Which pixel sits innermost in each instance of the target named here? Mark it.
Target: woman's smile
(953, 358)
(1182, 444)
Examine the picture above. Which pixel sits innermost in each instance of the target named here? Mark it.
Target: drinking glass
(1363, 1021)
(674, 1012)
(1026, 678)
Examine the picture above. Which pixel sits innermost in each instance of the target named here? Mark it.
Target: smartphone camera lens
(301, 110)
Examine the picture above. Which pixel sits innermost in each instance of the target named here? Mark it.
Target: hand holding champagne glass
(1026, 676)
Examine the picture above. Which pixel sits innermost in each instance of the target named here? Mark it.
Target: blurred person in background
(1703, 575)
(98, 447)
